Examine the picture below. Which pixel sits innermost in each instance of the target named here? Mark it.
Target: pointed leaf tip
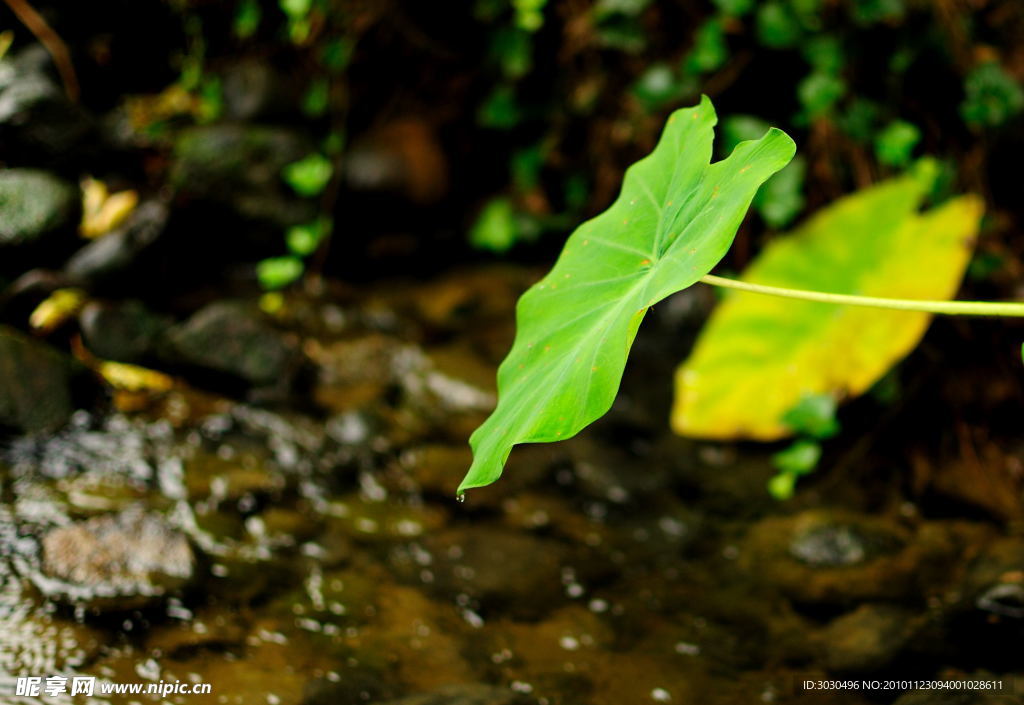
(674, 219)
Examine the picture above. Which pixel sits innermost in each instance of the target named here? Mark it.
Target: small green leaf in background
(529, 14)
(336, 55)
(859, 118)
(303, 240)
(800, 458)
(824, 53)
(500, 110)
(247, 18)
(758, 356)
(296, 9)
(309, 176)
(818, 92)
(777, 28)
(279, 272)
(872, 11)
(814, 415)
(993, 96)
(734, 8)
(673, 221)
(894, 145)
(709, 50)
(781, 199)
(495, 228)
(657, 86)
(513, 50)
(315, 102)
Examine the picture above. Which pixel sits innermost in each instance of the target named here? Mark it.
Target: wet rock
(496, 566)
(124, 331)
(995, 580)
(254, 89)
(823, 556)
(379, 521)
(37, 121)
(867, 639)
(234, 339)
(114, 561)
(207, 629)
(38, 385)
(239, 166)
(357, 687)
(606, 471)
(476, 694)
(118, 253)
(446, 389)
(33, 641)
(987, 608)
(33, 205)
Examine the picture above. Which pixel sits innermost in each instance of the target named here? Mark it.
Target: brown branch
(51, 40)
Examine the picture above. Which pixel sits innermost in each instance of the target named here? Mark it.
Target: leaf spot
(546, 348)
(744, 169)
(586, 242)
(645, 263)
(567, 276)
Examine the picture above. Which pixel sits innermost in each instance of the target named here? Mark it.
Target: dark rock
(496, 566)
(38, 385)
(124, 331)
(37, 121)
(472, 694)
(33, 204)
(253, 89)
(836, 557)
(356, 687)
(867, 639)
(118, 252)
(239, 166)
(33, 638)
(116, 561)
(995, 579)
(234, 339)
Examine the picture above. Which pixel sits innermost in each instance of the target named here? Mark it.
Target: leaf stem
(949, 308)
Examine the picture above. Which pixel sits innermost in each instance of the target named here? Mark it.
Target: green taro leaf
(674, 220)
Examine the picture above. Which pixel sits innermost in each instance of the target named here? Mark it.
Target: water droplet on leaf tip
(460, 497)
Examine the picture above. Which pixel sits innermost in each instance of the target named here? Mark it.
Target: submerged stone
(234, 339)
(114, 561)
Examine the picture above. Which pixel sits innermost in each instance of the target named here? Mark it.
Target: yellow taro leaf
(132, 378)
(55, 309)
(103, 211)
(758, 355)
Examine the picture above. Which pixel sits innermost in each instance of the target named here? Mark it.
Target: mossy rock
(33, 204)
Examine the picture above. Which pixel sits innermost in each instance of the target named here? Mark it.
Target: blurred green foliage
(992, 96)
(278, 272)
(309, 176)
